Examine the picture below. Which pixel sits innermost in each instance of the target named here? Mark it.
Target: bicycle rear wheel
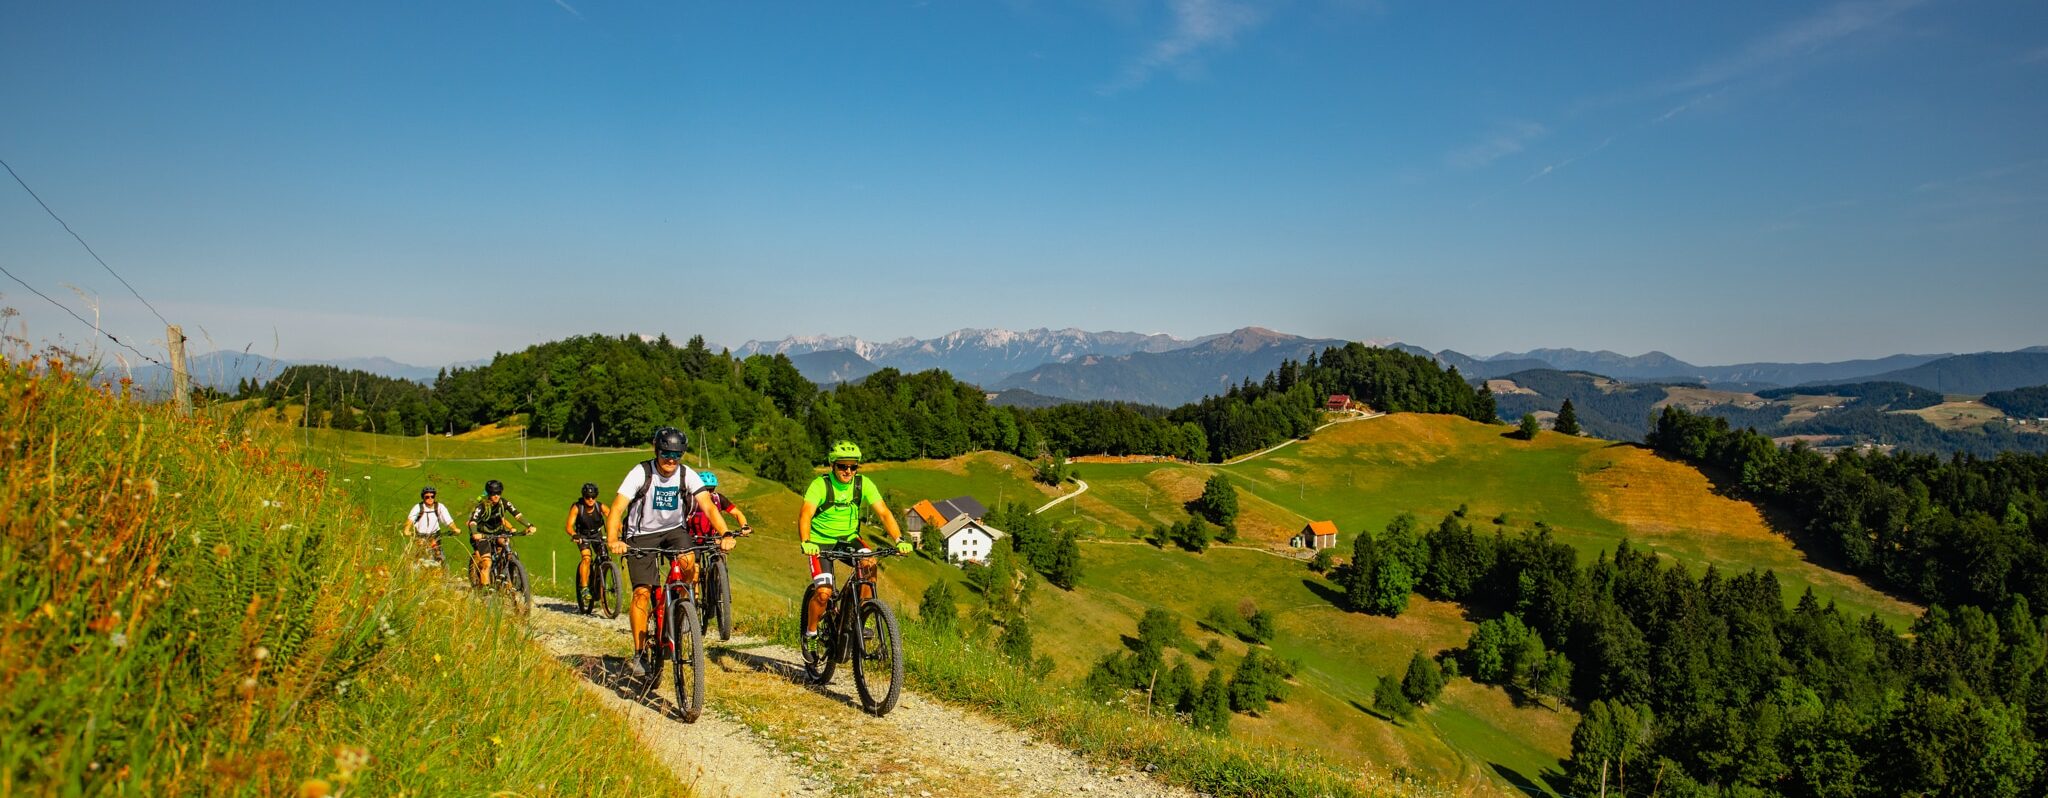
(689, 658)
(878, 663)
(606, 574)
(817, 651)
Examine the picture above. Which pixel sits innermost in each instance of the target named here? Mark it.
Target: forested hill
(612, 390)
(1976, 374)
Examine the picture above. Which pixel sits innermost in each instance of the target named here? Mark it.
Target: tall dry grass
(186, 611)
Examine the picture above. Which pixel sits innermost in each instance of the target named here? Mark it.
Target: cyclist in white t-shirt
(427, 521)
(652, 510)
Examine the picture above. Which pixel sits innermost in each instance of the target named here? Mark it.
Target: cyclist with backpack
(585, 524)
(830, 519)
(700, 524)
(652, 510)
(426, 521)
(492, 515)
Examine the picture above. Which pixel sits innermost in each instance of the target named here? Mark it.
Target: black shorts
(646, 569)
(484, 546)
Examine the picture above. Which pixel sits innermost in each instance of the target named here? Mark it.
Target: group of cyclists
(660, 504)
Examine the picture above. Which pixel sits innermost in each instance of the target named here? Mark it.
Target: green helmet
(845, 450)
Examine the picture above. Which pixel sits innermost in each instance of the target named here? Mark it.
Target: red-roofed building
(1338, 401)
(1317, 535)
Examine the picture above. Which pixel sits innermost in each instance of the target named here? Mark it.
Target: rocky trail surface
(765, 732)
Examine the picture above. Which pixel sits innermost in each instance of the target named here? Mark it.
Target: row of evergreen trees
(1954, 530)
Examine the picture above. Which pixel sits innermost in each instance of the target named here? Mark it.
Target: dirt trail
(769, 734)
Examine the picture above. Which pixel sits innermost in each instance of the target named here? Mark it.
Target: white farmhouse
(968, 539)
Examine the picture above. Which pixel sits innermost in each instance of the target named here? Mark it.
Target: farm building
(935, 514)
(1338, 401)
(968, 539)
(1317, 535)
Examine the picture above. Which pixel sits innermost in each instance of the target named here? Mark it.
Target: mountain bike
(858, 626)
(714, 588)
(428, 548)
(675, 634)
(508, 572)
(602, 591)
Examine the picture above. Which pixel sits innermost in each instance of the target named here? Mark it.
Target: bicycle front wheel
(586, 587)
(878, 664)
(688, 645)
(609, 598)
(720, 593)
(515, 579)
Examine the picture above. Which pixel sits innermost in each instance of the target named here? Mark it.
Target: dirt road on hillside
(766, 733)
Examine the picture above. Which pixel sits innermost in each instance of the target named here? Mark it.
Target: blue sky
(437, 181)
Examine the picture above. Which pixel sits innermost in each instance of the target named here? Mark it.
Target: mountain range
(979, 356)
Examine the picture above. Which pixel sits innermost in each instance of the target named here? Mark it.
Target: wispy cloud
(1798, 38)
(1504, 141)
(1791, 41)
(569, 8)
(1199, 26)
(2034, 56)
(1983, 175)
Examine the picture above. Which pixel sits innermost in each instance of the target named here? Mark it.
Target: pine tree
(1212, 707)
(1387, 699)
(937, 610)
(1424, 681)
(1567, 422)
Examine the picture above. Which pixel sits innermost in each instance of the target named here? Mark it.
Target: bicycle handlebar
(850, 556)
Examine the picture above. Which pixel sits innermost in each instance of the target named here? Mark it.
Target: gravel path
(771, 735)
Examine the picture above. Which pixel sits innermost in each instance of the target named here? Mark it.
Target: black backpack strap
(646, 482)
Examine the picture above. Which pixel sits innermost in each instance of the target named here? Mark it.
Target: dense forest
(612, 390)
(1959, 530)
(1708, 685)
(2021, 402)
(1288, 403)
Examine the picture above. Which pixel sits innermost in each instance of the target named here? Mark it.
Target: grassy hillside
(190, 613)
(1359, 474)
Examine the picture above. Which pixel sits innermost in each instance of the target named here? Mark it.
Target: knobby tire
(721, 599)
(876, 659)
(608, 595)
(817, 651)
(689, 659)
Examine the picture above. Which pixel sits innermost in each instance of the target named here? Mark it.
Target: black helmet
(494, 488)
(670, 439)
(427, 491)
(590, 490)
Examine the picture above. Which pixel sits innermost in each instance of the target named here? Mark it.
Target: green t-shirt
(839, 522)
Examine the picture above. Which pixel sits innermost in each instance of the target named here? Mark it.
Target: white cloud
(1199, 26)
(569, 8)
(1504, 141)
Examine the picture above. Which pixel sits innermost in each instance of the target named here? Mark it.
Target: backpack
(832, 498)
(646, 482)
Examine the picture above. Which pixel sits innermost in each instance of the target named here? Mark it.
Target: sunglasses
(846, 466)
(669, 455)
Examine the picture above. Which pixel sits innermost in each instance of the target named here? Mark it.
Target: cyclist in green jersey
(830, 519)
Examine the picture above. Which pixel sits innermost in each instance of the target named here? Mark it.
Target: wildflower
(366, 477)
(222, 550)
(315, 788)
(248, 685)
(118, 640)
(261, 654)
(437, 658)
(285, 526)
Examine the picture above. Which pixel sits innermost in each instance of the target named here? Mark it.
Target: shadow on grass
(1528, 786)
(1373, 712)
(1324, 591)
(1785, 523)
(784, 669)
